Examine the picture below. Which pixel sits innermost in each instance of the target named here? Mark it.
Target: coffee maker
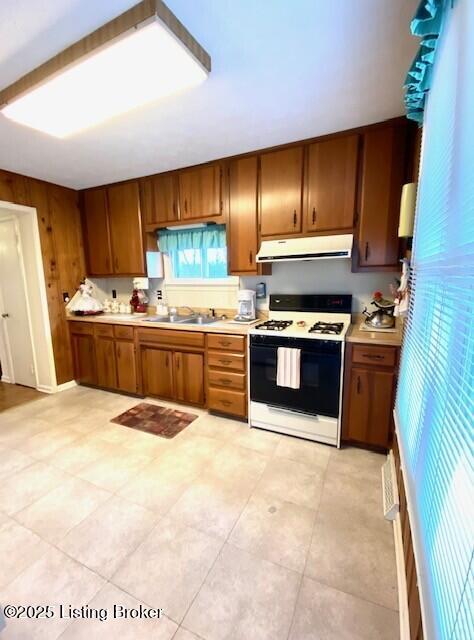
(245, 306)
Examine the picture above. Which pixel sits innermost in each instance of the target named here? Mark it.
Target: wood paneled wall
(60, 231)
(414, 608)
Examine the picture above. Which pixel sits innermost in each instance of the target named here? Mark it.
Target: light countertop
(381, 338)
(221, 326)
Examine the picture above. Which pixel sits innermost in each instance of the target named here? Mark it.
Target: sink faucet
(191, 311)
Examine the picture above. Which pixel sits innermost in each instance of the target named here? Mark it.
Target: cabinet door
(126, 366)
(96, 233)
(83, 353)
(200, 192)
(331, 184)
(383, 170)
(189, 377)
(157, 372)
(370, 406)
(126, 229)
(281, 181)
(159, 199)
(243, 215)
(106, 364)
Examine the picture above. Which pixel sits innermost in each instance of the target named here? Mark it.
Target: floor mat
(153, 418)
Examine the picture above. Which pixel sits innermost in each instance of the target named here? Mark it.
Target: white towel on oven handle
(288, 367)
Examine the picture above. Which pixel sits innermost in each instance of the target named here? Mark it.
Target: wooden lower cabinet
(226, 374)
(106, 362)
(175, 375)
(126, 366)
(189, 377)
(83, 353)
(369, 396)
(157, 372)
(103, 360)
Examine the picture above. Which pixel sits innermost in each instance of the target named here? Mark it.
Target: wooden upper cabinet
(242, 220)
(383, 172)
(331, 184)
(159, 199)
(281, 180)
(200, 192)
(126, 229)
(96, 233)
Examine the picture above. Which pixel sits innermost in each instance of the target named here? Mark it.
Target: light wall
(324, 276)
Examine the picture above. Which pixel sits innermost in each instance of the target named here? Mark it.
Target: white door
(13, 308)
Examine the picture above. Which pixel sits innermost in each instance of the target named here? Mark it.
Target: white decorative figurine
(83, 302)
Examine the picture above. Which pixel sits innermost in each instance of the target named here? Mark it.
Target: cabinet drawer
(226, 379)
(234, 402)
(82, 328)
(368, 354)
(226, 342)
(222, 360)
(105, 330)
(170, 337)
(124, 333)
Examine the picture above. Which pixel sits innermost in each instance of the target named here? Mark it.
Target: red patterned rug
(153, 418)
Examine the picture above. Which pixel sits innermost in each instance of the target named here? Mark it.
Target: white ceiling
(282, 70)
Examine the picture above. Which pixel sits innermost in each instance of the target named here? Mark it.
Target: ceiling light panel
(145, 64)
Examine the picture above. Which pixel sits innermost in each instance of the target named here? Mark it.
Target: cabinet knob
(5, 315)
(358, 384)
(314, 215)
(251, 257)
(367, 250)
(295, 218)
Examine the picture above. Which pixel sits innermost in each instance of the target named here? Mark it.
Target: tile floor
(235, 533)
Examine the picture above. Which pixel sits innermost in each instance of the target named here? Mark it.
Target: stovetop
(317, 317)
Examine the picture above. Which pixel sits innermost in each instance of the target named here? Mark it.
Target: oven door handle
(275, 407)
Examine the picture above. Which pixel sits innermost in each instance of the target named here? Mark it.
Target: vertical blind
(435, 397)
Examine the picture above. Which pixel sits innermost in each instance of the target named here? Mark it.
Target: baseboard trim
(401, 580)
(6, 379)
(58, 388)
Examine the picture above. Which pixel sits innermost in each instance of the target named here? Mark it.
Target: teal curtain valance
(211, 237)
(426, 24)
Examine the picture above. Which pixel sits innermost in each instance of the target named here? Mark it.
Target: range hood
(316, 248)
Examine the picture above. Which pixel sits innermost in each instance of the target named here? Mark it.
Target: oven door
(320, 375)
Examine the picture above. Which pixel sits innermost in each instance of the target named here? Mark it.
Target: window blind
(435, 396)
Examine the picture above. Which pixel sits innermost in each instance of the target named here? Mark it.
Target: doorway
(14, 311)
(26, 350)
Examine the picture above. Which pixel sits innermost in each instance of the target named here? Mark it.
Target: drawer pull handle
(295, 218)
(358, 384)
(225, 343)
(225, 361)
(225, 381)
(226, 403)
(314, 215)
(367, 251)
(373, 356)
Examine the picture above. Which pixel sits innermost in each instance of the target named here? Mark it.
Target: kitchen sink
(170, 319)
(201, 320)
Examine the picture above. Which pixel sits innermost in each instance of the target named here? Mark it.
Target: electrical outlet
(159, 294)
(66, 297)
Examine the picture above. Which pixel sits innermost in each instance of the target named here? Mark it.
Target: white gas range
(316, 326)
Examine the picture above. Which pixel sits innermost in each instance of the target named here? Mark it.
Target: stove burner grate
(274, 325)
(334, 328)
